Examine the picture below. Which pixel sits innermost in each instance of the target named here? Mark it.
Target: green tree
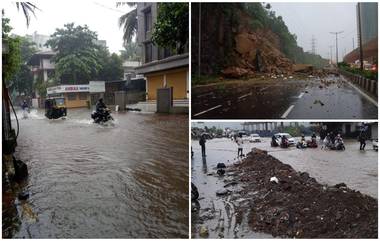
(22, 80)
(132, 52)
(28, 8)
(76, 61)
(111, 66)
(172, 27)
(11, 58)
(128, 22)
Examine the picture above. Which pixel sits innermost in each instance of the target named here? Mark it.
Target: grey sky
(319, 19)
(100, 16)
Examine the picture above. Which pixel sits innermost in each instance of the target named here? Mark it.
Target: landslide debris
(298, 206)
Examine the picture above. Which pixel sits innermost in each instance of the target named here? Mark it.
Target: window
(147, 22)
(71, 96)
(148, 52)
(83, 96)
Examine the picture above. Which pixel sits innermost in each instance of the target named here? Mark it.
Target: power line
(336, 44)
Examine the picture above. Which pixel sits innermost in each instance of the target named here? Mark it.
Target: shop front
(75, 95)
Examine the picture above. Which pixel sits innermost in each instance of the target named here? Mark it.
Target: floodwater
(299, 98)
(127, 180)
(358, 169)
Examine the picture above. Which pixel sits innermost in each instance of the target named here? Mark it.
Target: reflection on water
(124, 180)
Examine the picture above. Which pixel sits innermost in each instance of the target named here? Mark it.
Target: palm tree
(27, 8)
(128, 21)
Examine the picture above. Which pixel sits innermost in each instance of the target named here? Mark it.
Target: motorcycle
(25, 113)
(312, 144)
(301, 145)
(284, 143)
(274, 143)
(338, 146)
(102, 116)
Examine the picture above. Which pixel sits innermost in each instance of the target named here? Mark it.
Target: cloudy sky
(319, 19)
(100, 16)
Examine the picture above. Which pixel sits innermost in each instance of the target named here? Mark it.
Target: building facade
(160, 67)
(368, 20)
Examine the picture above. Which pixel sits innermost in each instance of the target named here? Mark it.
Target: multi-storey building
(161, 67)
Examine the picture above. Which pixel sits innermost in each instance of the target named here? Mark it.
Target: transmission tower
(313, 44)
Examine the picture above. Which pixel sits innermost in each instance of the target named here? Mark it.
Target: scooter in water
(102, 116)
(25, 113)
(338, 146)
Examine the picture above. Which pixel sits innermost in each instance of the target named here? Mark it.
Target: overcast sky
(319, 19)
(100, 16)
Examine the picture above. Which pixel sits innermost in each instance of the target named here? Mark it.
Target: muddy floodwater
(358, 169)
(125, 180)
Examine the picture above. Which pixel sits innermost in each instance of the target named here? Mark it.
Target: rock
(222, 192)
(274, 179)
(203, 232)
(220, 165)
(235, 72)
(231, 184)
(341, 185)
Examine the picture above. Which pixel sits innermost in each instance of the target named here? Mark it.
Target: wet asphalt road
(358, 169)
(125, 180)
(310, 98)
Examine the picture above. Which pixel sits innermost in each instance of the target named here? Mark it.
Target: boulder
(235, 72)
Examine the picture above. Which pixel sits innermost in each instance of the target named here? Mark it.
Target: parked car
(254, 138)
(374, 145)
(291, 140)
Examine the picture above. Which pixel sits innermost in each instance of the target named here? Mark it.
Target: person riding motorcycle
(24, 105)
(102, 113)
(313, 142)
(100, 106)
(302, 143)
(284, 142)
(339, 144)
(274, 142)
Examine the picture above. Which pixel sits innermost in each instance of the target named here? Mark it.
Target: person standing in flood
(362, 139)
(239, 141)
(202, 143)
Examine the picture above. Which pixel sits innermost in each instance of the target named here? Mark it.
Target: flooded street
(355, 168)
(91, 181)
(298, 98)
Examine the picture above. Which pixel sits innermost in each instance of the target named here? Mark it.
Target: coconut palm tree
(28, 8)
(128, 21)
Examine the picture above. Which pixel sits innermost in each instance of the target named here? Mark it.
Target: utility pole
(199, 39)
(360, 38)
(353, 44)
(336, 44)
(313, 45)
(331, 46)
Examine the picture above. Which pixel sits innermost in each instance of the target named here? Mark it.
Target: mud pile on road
(257, 52)
(295, 205)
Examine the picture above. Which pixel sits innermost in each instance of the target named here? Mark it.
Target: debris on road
(299, 206)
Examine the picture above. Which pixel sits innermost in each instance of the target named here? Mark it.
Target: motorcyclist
(284, 141)
(274, 141)
(302, 143)
(24, 105)
(100, 106)
(314, 137)
(339, 143)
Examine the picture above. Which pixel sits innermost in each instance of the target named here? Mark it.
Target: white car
(374, 145)
(291, 140)
(254, 138)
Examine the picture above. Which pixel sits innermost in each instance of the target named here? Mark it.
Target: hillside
(241, 39)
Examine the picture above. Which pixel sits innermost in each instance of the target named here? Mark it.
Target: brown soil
(300, 207)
